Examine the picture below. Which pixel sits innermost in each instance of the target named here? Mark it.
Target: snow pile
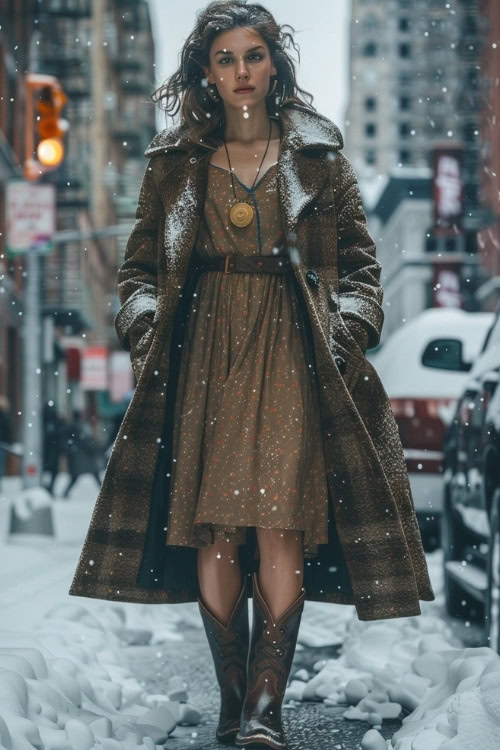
(323, 624)
(413, 664)
(65, 685)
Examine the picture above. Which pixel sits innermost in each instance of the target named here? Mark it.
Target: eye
(255, 54)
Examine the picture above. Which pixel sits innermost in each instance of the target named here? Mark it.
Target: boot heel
(272, 647)
(229, 647)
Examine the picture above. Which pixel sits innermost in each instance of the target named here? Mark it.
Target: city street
(159, 643)
(249, 294)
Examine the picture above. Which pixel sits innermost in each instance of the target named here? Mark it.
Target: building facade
(102, 53)
(415, 90)
(15, 48)
(489, 236)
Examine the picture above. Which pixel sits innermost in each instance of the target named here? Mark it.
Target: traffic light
(50, 126)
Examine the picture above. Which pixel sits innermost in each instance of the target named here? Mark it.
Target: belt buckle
(226, 264)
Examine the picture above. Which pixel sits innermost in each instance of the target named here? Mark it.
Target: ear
(208, 75)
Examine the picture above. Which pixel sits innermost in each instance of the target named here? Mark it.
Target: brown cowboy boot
(229, 647)
(270, 656)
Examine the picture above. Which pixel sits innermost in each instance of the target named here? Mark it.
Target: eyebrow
(228, 52)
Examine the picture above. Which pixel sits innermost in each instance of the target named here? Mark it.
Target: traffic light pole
(37, 515)
(32, 377)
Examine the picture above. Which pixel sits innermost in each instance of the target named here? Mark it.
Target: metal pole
(32, 375)
(31, 513)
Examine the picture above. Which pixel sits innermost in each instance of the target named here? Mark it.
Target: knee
(274, 543)
(222, 551)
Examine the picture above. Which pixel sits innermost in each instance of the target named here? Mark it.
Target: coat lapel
(298, 184)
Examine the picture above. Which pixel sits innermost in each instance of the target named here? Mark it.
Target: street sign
(94, 368)
(31, 217)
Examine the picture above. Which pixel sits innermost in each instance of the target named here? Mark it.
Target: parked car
(471, 495)
(423, 367)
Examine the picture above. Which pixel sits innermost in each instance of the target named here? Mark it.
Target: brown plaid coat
(374, 558)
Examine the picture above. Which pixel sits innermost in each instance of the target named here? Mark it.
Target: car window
(445, 354)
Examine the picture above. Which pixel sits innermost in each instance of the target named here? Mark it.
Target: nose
(241, 70)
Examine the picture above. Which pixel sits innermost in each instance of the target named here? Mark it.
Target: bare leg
(220, 578)
(281, 571)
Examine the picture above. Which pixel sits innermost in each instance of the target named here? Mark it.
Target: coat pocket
(344, 345)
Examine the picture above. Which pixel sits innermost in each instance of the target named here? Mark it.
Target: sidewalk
(35, 575)
(308, 726)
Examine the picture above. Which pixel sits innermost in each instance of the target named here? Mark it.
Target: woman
(259, 450)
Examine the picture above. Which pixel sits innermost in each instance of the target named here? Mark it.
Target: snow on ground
(416, 663)
(65, 682)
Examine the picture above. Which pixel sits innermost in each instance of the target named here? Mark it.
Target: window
(471, 75)
(370, 156)
(404, 129)
(404, 103)
(370, 49)
(404, 156)
(469, 132)
(431, 244)
(370, 104)
(404, 24)
(404, 50)
(469, 25)
(445, 354)
(370, 129)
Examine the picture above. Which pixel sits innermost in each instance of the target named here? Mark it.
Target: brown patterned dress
(247, 448)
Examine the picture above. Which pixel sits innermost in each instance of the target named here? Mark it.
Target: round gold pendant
(241, 214)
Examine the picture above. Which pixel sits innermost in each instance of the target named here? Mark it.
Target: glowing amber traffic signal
(50, 152)
(50, 126)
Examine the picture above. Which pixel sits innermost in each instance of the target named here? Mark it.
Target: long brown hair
(186, 89)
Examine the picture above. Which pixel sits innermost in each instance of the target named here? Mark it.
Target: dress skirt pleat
(247, 445)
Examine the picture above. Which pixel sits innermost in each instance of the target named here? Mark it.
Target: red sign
(446, 286)
(447, 190)
(94, 368)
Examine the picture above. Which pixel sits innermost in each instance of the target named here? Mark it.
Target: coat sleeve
(137, 279)
(360, 292)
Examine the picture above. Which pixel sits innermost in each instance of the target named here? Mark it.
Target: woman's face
(240, 57)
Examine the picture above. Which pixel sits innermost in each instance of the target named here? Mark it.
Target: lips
(244, 88)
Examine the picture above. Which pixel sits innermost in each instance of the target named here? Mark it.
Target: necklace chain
(261, 163)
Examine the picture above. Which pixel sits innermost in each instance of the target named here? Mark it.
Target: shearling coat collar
(303, 131)
(301, 128)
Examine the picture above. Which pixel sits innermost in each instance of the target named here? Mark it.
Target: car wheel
(452, 541)
(492, 618)
(430, 531)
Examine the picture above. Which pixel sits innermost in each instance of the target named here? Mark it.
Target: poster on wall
(447, 190)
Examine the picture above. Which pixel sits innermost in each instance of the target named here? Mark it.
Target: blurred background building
(420, 75)
(421, 130)
(102, 52)
(489, 236)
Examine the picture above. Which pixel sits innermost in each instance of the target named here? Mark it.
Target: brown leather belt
(246, 264)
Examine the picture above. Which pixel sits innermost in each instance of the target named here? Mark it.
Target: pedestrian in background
(5, 433)
(82, 451)
(54, 443)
